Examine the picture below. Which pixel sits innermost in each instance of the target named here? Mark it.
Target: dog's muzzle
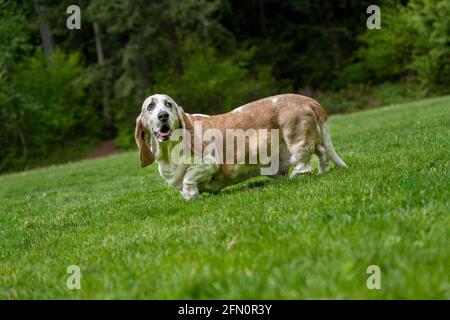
(163, 133)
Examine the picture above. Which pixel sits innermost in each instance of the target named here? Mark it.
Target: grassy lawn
(314, 237)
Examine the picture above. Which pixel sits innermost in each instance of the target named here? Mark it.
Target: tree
(46, 32)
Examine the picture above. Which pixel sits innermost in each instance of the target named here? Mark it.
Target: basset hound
(199, 153)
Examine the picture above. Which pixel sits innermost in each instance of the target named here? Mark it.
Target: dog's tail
(329, 148)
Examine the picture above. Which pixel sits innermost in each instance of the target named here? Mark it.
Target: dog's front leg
(190, 191)
(195, 175)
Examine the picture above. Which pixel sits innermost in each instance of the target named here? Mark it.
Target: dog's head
(160, 116)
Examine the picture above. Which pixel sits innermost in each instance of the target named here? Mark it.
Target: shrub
(356, 97)
(213, 84)
(46, 110)
(413, 40)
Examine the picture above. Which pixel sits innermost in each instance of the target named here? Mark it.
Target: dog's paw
(301, 169)
(190, 195)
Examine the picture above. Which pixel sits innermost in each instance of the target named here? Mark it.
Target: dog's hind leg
(301, 160)
(301, 145)
(321, 153)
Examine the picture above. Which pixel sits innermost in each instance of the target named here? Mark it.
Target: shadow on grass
(262, 183)
(259, 183)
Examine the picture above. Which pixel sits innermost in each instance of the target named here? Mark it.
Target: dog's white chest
(172, 174)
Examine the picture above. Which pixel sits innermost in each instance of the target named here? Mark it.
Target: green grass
(314, 237)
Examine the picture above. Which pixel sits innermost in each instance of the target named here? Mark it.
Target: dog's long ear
(182, 117)
(187, 124)
(145, 154)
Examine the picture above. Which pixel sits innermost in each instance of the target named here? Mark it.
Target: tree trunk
(108, 116)
(173, 42)
(262, 18)
(46, 32)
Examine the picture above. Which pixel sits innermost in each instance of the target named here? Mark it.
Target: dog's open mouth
(163, 133)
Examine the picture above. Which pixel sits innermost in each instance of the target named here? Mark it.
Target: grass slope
(314, 237)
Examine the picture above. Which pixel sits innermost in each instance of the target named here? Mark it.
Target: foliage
(13, 32)
(357, 96)
(213, 83)
(133, 236)
(414, 40)
(209, 55)
(432, 47)
(47, 110)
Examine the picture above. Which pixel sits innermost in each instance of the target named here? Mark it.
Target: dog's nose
(163, 116)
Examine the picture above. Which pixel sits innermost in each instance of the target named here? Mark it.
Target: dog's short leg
(300, 142)
(301, 157)
(323, 158)
(300, 169)
(196, 174)
(190, 191)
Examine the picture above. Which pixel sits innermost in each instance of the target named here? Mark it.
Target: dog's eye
(150, 106)
(168, 104)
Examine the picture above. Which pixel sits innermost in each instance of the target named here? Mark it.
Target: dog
(297, 125)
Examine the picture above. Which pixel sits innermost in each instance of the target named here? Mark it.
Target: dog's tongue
(164, 134)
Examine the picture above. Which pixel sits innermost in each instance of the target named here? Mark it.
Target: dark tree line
(62, 90)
